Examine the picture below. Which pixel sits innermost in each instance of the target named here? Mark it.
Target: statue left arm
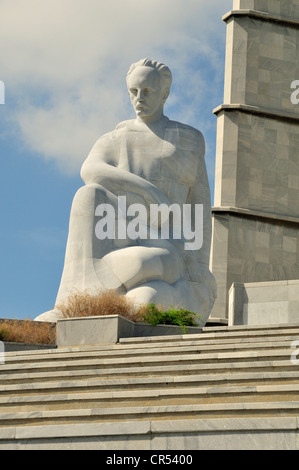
(200, 194)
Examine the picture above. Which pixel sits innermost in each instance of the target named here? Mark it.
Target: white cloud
(64, 64)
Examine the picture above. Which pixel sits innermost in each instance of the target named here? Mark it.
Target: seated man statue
(154, 167)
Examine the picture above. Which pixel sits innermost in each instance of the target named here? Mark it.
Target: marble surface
(259, 303)
(111, 329)
(148, 160)
(287, 8)
(202, 434)
(257, 164)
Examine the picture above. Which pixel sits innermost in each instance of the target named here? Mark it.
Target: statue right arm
(101, 168)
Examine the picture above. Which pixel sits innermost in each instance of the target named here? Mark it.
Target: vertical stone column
(256, 203)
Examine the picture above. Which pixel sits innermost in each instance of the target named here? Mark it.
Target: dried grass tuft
(85, 304)
(27, 331)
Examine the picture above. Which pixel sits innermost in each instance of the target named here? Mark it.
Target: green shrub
(181, 317)
(83, 304)
(4, 334)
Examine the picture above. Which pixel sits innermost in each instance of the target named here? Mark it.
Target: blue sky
(64, 64)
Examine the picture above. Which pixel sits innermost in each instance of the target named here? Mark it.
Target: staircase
(226, 388)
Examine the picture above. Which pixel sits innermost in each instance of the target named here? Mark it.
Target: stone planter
(109, 329)
(12, 347)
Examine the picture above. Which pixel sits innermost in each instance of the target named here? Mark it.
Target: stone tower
(256, 203)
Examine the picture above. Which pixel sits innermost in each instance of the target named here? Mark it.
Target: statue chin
(111, 242)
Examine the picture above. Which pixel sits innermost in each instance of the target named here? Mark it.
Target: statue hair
(162, 69)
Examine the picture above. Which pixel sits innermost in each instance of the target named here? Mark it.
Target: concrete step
(156, 359)
(140, 413)
(224, 433)
(188, 355)
(33, 378)
(27, 391)
(220, 373)
(220, 333)
(170, 349)
(148, 397)
(228, 339)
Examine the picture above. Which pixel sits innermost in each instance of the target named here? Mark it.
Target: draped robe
(164, 164)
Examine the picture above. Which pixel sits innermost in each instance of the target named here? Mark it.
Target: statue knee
(87, 198)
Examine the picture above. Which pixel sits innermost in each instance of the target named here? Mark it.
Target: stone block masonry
(260, 303)
(256, 211)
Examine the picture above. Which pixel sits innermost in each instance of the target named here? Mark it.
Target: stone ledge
(262, 111)
(253, 213)
(262, 15)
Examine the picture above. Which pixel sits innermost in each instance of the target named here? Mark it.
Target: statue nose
(140, 96)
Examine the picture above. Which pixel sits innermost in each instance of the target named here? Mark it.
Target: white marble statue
(147, 161)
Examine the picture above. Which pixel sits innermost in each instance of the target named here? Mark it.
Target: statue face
(146, 93)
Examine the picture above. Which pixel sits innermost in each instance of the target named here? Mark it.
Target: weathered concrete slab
(109, 329)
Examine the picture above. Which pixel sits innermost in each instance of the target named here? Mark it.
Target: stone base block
(109, 329)
(264, 303)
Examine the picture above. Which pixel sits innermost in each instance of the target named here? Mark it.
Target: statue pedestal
(109, 329)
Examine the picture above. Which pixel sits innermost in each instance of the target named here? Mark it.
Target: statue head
(148, 85)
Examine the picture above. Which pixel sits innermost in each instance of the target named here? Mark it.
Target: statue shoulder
(186, 137)
(110, 138)
(124, 124)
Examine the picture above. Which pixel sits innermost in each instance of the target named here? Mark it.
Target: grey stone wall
(257, 163)
(256, 213)
(264, 303)
(288, 8)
